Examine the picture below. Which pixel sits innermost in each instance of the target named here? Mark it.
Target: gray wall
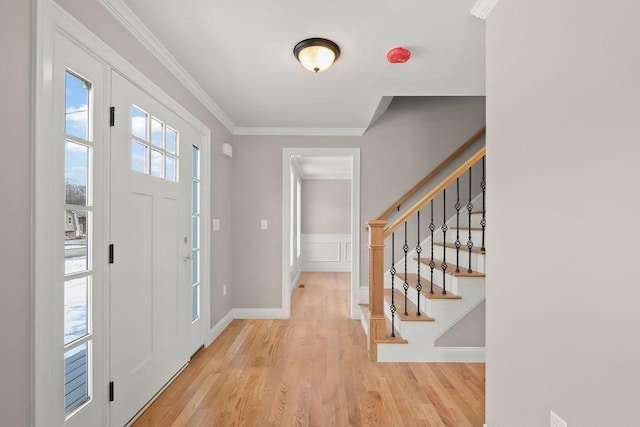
(100, 22)
(15, 217)
(403, 145)
(468, 332)
(563, 109)
(326, 206)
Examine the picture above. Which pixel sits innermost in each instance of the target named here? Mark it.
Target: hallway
(313, 370)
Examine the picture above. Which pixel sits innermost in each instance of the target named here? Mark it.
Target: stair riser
(476, 237)
(425, 273)
(477, 260)
(464, 220)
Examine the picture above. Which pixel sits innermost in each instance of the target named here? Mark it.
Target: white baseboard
(219, 327)
(258, 313)
(460, 354)
(328, 268)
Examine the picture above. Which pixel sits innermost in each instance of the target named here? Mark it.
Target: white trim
(340, 254)
(460, 354)
(259, 313)
(123, 14)
(483, 8)
(354, 153)
(219, 327)
(299, 131)
(325, 177)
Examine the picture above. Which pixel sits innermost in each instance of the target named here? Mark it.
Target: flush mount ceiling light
(316, 54)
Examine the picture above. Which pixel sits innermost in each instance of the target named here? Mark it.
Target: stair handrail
(431, 175)
(461, 170)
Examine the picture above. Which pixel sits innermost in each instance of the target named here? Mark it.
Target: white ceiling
(240, 54)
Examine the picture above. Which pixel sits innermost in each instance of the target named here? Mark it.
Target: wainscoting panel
(326, 252)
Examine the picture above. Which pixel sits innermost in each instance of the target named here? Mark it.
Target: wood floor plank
(313, 370)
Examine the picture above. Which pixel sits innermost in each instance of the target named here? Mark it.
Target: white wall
(15, 217)
(563, 143)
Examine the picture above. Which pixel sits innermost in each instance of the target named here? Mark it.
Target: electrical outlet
(263, 224)
(224, 290)
(555, 420)
(215, 224)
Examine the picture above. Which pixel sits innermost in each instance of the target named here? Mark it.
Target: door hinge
(112, 116)
(111, 391)
(111, 253)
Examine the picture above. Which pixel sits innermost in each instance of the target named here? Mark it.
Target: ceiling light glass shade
(316, 54)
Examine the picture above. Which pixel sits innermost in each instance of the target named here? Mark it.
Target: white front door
(150, 277)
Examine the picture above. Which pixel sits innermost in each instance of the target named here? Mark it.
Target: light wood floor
(313, 370)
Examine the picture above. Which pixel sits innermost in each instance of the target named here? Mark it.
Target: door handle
(188, 257)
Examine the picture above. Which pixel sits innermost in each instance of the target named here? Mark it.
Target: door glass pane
(139, 123)
(156, 132)
(171, 141)
(195, 192)
(77, 106)
(156, 163)
(76, 377)
(76, 229)
(139, 157)
(76, 164)
(195, 225)
(76, 297)
(195, 302)
(195, 162)
(170, 170)
(195, 270)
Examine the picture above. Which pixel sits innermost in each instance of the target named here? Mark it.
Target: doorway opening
(341, 252)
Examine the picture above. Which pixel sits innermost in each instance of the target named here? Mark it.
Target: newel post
(377, 323)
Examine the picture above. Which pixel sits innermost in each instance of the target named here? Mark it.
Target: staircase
(434, 282)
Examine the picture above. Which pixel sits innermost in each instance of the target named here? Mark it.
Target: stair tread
(463, 248)
(412, 279)
(451, 268)
(476, 212)
(388, 339)
(411, 308)
(465, 227)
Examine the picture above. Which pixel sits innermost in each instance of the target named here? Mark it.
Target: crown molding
(125, 16)
(483, 8)
(265, 131)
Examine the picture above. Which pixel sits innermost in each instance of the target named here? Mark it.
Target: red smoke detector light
(398, 55)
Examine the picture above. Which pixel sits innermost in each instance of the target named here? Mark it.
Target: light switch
(215, 224)
(263, 224)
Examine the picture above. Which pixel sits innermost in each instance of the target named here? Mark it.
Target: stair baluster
(405, 285)
(392, 270)
(483, 221)
(418, 250)
(432, 263)
(469, 209)
(458, 244)
(444, 228)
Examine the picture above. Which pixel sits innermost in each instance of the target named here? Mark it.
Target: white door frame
(354, 154)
